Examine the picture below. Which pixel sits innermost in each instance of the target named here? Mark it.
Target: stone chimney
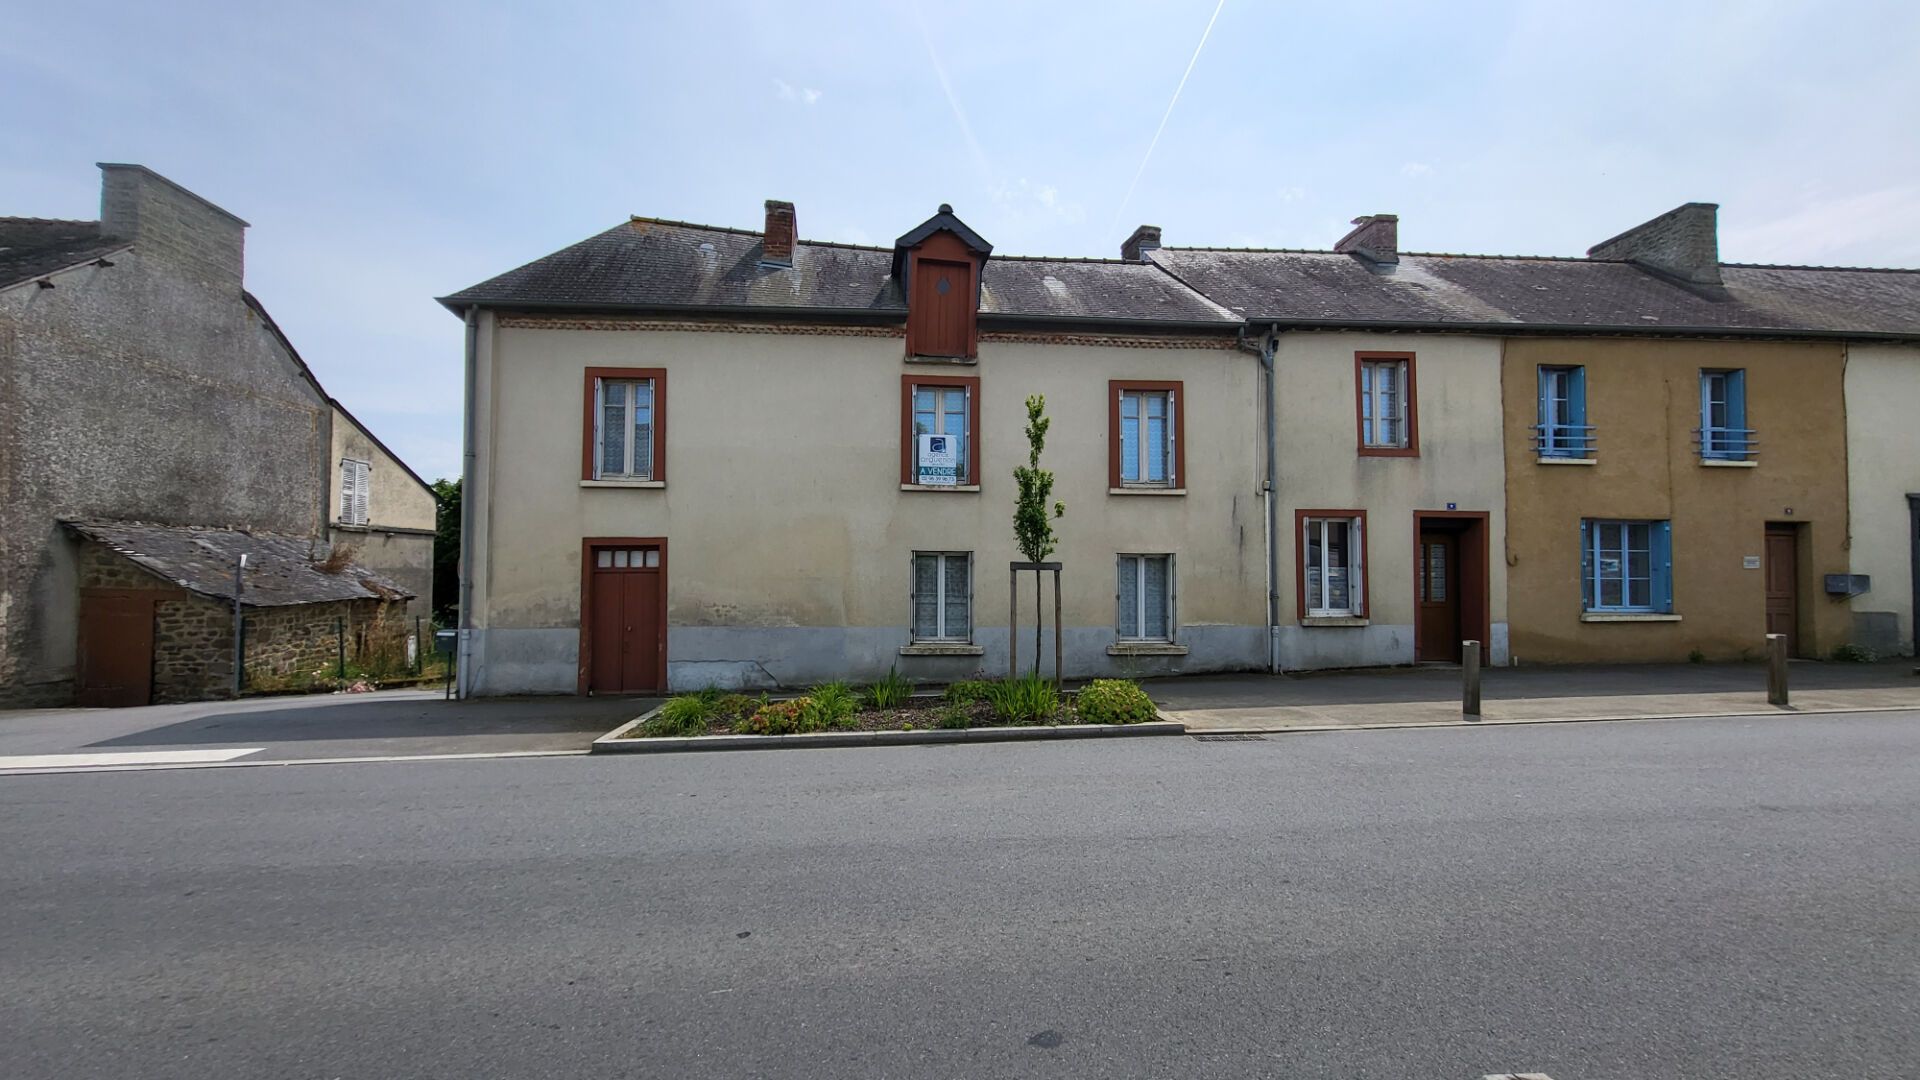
(170, 224)
(777, 249)
(1144, 239)
(1375, 238)
(1683, 242)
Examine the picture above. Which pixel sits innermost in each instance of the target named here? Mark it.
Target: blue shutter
(1737, 441)
(1662, 559)
(1586, 565)
(1541, 441)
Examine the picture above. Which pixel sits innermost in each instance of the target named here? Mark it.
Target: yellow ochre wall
(1643, 398)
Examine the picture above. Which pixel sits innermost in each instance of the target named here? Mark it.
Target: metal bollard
(1470, 679)
(1777, 669)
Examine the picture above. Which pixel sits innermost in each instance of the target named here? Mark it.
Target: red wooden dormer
(938, 265)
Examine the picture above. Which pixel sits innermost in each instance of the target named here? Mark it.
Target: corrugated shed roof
(1494, 291)
(280, 572)
(646, 263)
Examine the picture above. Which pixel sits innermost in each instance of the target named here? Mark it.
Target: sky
(388, 153)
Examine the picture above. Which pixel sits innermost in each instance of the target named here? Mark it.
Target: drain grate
(1229, 738)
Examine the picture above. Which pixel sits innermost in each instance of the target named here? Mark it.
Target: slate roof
(280, 569)
(651, 264)
(1516, 292)
(35, 247)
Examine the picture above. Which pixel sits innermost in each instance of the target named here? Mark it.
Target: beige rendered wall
(1643, 398)
(789, 536)
(1457, 384)
(398, 539)
(1883, 468)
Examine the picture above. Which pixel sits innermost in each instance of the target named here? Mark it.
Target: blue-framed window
(1563, 430)
(1626, 565)
(1724, 435)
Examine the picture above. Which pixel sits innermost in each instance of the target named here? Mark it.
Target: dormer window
(939, 266)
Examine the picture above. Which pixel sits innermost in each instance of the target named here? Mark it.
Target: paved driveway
(387, 723)
(1432, 695)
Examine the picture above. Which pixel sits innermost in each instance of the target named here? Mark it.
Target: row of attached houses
(709, 456)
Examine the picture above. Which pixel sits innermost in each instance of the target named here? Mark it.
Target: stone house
(1279, 459)
(141, 382)
(158, 604)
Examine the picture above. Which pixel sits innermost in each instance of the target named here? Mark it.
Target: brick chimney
(1375, 238)
(1683, 242)
(1144, 239)
(169, 223)
(777, 249)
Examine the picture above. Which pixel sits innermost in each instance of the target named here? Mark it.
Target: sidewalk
(1415, 696)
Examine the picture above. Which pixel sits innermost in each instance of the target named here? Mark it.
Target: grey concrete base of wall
(515, 661)
(1881, 631)
(612, 743)
(1313, 648)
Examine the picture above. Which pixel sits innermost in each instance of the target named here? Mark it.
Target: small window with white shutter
(942, 596)
(355, 479)
(1145, 598)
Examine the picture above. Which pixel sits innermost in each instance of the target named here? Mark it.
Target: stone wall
(304, 641)
(192, 649)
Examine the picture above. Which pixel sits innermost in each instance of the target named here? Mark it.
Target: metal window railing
(1726, 444)
(1564, 440)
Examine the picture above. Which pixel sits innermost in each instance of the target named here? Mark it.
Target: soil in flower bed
(731, 714)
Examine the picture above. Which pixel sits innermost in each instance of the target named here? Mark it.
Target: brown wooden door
(1439, 597)
(1783, 584)
(116, 650)
(626, 621)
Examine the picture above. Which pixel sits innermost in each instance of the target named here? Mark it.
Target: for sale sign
(938, 463)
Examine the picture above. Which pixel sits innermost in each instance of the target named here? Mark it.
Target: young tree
(1032, 525)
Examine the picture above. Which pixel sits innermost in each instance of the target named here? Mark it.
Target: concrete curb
(613, 742)
(1762, 713)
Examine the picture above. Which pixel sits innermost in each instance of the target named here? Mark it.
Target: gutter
(463, 650)
(1508, 329)
(790, 314)
(1265, 351)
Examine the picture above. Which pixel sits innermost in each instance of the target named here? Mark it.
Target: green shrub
(1696, 657)
(1114, 701)
(891, 691)
(829, 707)
(968, 692)
(954, 718)
(774, 718)
(687, 714)
(1853, 654)
(1029, 699)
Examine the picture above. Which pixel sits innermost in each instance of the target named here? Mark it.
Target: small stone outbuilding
(157, 603)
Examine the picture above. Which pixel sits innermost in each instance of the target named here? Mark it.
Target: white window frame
(600, 469)
(941, 634)
(356, 477)
(1355, 568)
(940, 414)
(1370, 419)
(1170, 445)
(1139, 560)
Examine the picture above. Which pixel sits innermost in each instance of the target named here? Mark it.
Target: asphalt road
(1688, 899)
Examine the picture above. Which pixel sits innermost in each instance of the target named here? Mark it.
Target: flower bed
(890, 705)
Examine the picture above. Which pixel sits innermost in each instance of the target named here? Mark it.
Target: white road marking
(127, 757)
(1516, 1076)
(7, 769)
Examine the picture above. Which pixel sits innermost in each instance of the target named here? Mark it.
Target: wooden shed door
(939, 305)
(116, 650)
(626, 621)
(1783, 585)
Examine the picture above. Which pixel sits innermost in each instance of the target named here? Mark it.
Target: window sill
(940, 487)
(1389, 451)
(623, 483)
(1546, 460)
(1145, 490)
(942, 648)
(1628, 616)
(1146, 648)
(1724, 463)
(1336, 620)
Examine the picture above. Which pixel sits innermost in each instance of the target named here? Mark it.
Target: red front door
(626, 623)
(1783, 584)
(1439, 602)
